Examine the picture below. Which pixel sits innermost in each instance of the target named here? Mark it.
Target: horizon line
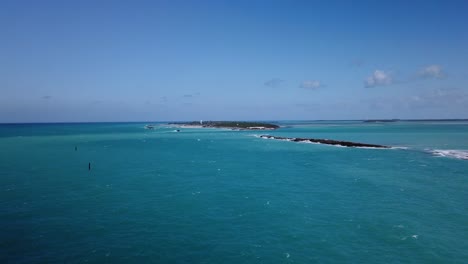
(264, 120)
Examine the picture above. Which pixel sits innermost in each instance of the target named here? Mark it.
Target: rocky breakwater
(327, 142)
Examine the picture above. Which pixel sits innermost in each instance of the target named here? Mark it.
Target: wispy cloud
(311, 84)
(432, 71)
(275, 82)
(440, 98)
(191, 95)
(378, 78)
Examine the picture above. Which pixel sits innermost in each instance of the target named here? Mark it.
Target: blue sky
(74, 61)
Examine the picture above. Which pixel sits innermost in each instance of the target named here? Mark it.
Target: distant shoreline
(235, 125)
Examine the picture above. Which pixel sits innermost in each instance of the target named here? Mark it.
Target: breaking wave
(450, 153)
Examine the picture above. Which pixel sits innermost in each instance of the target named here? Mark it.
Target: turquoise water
(220, 196)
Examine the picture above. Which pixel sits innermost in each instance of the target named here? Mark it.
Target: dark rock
(327, 142)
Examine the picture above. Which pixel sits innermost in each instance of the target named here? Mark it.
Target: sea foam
(450, 153)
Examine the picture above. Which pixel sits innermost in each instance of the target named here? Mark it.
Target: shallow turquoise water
(220, 196)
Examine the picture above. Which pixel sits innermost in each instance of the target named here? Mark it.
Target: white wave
(366, 147)
(399, 148)
(450, 153)
(310, 142)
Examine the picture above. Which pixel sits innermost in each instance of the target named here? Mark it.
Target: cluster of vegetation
(231, 124)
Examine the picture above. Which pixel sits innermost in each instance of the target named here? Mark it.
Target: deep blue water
(221, 196)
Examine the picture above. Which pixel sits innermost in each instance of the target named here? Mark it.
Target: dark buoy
(76, 148)
(89, 166)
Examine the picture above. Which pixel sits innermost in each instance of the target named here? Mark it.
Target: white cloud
(378, 78)
(432, 71)
(275, 82)
(311, 84)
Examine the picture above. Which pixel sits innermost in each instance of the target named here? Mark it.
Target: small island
(235, 125)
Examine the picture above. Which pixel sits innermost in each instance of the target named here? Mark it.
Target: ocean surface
(222, 196)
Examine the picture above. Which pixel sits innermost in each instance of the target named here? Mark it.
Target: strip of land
(327, 142)
(236, 125)
(381, 120)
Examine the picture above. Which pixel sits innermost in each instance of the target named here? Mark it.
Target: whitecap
(366, 147)
(450, 153)
(310, 142)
